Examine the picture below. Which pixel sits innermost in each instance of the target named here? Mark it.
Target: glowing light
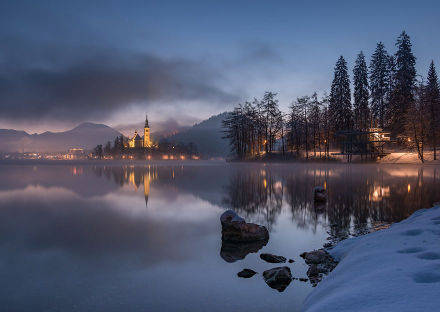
(165, 157)
(265, 183)
(409, 188)
(409, 139)
(182, 157)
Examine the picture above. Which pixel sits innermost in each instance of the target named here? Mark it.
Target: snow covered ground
(408, 158)
(397, 269)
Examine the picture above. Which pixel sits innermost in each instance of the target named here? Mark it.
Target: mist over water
(91, 237)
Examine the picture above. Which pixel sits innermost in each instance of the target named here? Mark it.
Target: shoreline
(367, 269)
(116, 162)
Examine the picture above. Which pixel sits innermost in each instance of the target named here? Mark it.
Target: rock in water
(235, 229)
(319, 194)
(278, 278)
(272, 258)
(316, 256)
(320, 262)
(246, 273)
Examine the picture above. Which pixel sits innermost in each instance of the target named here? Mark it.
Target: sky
(112, 62)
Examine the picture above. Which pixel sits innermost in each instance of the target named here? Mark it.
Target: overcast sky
(66, 62)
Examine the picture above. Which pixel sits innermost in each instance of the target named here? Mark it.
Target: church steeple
(147, 140)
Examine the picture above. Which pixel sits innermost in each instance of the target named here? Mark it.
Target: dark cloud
(77, 83)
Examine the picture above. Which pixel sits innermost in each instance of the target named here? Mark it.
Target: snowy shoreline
(396, 269)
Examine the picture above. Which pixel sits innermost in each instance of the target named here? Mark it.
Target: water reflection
(358, 196)
(231, 252)
(112, 238)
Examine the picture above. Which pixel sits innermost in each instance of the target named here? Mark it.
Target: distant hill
(87, 135)
(207, 135)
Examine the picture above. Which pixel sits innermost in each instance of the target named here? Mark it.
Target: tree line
(119, 149)
(388, 94)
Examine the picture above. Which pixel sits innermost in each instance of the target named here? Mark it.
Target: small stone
(291, 261)
(319, 194)
(246, 273)
(278, 278)
(316, 256)
(272, 258)
(302, 279)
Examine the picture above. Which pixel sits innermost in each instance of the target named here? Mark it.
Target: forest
(388, 94)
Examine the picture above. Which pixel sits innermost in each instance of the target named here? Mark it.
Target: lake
(92, 236)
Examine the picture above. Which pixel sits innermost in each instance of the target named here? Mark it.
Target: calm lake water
(95, 237)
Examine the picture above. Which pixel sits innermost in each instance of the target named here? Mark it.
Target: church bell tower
(147, 140)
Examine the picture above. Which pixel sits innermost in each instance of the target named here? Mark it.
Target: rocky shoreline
(240, 238)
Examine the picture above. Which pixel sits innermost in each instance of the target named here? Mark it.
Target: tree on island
(98, 151)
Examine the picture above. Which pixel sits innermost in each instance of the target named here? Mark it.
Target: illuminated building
(141, 142)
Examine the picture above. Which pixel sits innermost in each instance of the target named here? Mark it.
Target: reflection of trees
(358, 196)
(256, 195)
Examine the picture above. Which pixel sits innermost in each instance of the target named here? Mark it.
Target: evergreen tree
(404, 89)
(361, 94)
(340, 98)
(432, 96)
(272, 116)
(380, 75)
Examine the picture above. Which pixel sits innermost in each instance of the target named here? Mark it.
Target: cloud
(160, 128)
(76, 83)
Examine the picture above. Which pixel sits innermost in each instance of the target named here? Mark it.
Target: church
(141, 142)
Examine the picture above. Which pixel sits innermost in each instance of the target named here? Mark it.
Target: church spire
(146, 122)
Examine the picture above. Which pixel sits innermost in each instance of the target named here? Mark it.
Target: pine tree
(404, 89)
(361, 94)
(340, 98)
(432, 96)
(380, 75)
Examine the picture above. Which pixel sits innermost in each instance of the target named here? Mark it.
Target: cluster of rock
(320, 262)
(240, 238)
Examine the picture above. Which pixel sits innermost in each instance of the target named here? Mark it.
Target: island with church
(144, 147)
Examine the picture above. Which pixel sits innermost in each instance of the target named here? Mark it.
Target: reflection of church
(141, 142)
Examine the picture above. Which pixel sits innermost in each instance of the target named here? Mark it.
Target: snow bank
(397, 269)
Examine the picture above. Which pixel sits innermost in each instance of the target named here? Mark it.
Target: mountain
(207, 135)
(86, 135)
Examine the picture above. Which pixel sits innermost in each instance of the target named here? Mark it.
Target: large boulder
(278, 278)
(235, 229)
